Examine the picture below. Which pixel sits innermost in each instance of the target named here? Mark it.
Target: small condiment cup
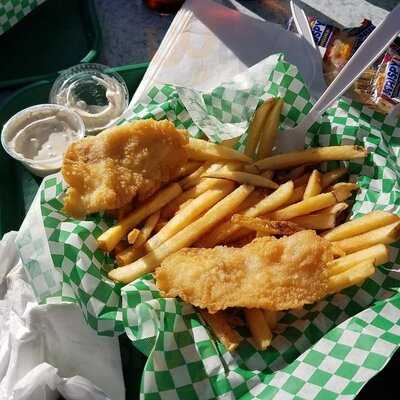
(95, 92)
(40, 167)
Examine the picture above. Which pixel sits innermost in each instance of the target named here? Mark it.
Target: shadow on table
(279, 11)
(133, 362)
(384, 383)
(386, 4)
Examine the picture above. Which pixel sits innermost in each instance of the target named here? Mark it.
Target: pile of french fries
(222, 196)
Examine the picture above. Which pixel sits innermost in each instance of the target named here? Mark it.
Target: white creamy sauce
(43, 138)
(39, 135)
(95, 117)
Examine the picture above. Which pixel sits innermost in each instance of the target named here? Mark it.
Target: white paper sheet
(47, 350)
(208, 43)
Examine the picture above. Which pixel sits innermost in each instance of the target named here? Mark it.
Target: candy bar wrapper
(329, 349)
(379, 85)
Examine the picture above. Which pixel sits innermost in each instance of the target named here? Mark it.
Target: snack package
(387, 81)
(337, 46)
(378, 87)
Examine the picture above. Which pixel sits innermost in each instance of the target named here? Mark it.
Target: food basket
(327, 350)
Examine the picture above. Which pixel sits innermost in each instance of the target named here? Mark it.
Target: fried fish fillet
(276, 274)
(108, 170)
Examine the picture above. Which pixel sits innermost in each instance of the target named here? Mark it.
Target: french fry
(270, 130)
(244, 240)
(316, 221)
(256, 126)
(243, 234)
(147, 229)
(109, 239)
(302, 180)
(229, 166)
(342, 190)
(378, 254)
(159, 226)
(313, 186)
(202, 203)
(133, 235)
(315, 203)
(294, 174)
(297, 172)
(313, 155)
(270, 203)
(183, 238)
(264, 226)
(304, 207)
(206, 184)
(123, 211)
(332, 176)
(297, 195)
(272, 318)
(185, 204)
(233, 319)
(268, 174)
(259, 328)
(243, 177)
(194, 178)
(219, 325)
(201, 150)
(335, 209)
(254, 198)
(172, 207)
(352, 276)
(129, 255)
(237, 236)
(121, 246)
(337, 251)
(385, 235)
(188, 168)
(230, 142)
(273, 201)
(251, 169)
(357, 226)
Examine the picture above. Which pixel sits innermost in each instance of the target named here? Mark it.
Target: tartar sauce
(39, 135)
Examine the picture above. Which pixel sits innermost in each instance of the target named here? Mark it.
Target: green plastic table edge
(90, 56)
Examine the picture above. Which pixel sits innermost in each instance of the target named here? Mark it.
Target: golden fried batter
(108, 170)
(276, 274)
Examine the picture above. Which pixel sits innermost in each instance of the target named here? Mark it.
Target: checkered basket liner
(12, 11)
(324, 351)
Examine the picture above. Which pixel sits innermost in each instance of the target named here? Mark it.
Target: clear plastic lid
(97, 94)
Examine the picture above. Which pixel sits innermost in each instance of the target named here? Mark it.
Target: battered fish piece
(277, 274)
(107, 171)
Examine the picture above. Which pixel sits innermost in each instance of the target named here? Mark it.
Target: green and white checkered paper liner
(323, 351)
(12, 11)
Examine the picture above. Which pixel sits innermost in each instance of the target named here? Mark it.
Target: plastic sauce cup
(38, 136)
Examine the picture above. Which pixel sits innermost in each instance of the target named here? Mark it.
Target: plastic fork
(366, 54)
(302, 24)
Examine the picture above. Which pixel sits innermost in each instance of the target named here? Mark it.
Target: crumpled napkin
(48, 350)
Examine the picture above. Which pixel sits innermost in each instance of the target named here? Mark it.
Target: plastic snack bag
(379, 85)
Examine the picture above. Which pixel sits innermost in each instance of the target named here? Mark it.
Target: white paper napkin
(208, 43)
(47, 350)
